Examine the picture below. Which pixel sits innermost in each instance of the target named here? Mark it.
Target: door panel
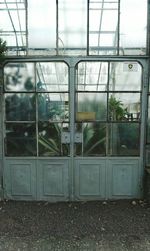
(90, 179)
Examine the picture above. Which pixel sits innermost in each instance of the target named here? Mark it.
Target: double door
(72, 130)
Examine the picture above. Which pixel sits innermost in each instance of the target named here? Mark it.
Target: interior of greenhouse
(74, 98)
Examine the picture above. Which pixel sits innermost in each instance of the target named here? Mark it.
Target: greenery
(116, 109)
(3, 48)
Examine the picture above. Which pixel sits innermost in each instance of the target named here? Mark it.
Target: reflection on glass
(72, 26)
(103, 27)
(42, 24)
(49, 139)
(124, 106)
(148, 122)
(133, 25)
(19, 77)
(92, 76)
(20, 107)
(53, 106)
(13, 24)
(52, 76)
(20, 139)
(94, 139)
(124, 139)
(125, 76)
(93, 105)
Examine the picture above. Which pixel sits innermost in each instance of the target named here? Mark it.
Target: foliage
(116, 109)
(3, 48)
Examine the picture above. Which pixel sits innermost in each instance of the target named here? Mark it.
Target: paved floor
(93, 226)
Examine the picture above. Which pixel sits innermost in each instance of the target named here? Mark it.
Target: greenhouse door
(108, 121)
(72, 132)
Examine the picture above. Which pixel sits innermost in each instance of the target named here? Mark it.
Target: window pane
(52, 77)
(93, 139)
(133, 25)
(20, 107)
(19, 77)
(49, 139)
(124, 139)
(124, 106)
(13, 26)
(103, 27)
(72, 24)
(20, 140)
(91, 106)
(92, 76)
(126, 76)
(148, 121)
(42, 26)
(53, 106)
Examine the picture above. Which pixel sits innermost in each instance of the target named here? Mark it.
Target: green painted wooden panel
(20, 179)
(52, 180)
(89, 179)
(123, 178)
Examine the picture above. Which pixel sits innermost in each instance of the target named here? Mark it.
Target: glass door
(108, 109)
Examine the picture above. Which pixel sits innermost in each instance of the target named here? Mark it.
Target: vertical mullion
(27, 32)
(57, 27)
(118, 30)
(88, 4)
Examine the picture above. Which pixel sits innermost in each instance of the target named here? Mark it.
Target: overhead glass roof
(68, 27)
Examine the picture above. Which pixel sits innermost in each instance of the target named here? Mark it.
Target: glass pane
(103, 27)
(20, 140)
(92, 76)
(13, 26)
(20, 107)
(52, 77)
(53, 106)
(49, 139)
(19, 77)
(93, 139)
(133, 26)
(148, 121)
(124, 139)
(72, 25)
(42, 26)
(124, 106)
(91, 106)
(147, 159)
(125, 76)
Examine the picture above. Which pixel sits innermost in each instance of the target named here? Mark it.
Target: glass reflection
(124, 106)
(49, 139)
(20, 107)
(19, 77)
(52, 77)
(20, 139)
(93, 140)
(53, 106)
(92, 76)
(124, 139)
(125, 76)
(91, 106)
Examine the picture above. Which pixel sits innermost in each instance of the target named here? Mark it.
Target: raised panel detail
(123, 178)
(90, 179)
(21, 179)
(53, 180)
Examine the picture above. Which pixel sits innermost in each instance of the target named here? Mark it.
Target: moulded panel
(123, 178)
(52, 180)
(90, 179)
(19, 179)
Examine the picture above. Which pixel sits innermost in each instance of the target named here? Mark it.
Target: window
(36, 108)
